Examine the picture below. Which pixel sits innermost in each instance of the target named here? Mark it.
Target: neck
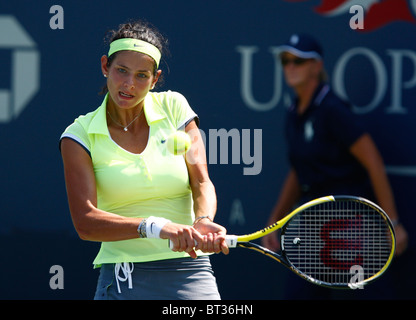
(305, 94)
(123, 118)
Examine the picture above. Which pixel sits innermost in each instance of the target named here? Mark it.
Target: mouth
(125, 95)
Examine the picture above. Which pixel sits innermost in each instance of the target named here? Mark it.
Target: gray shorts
(174, 279)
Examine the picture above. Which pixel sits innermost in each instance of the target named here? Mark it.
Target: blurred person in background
(330, 152)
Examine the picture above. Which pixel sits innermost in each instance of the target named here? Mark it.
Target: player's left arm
(204, 194)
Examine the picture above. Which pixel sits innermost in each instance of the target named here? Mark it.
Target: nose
(129, 83)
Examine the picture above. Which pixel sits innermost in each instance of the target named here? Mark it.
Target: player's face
(299, 72)
(129, 78)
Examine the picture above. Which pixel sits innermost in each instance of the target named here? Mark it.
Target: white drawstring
(127, 268)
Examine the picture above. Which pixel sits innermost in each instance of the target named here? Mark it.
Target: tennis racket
(334, 241)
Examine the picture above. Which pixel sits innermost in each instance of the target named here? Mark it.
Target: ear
(156, 79)
(104, 67)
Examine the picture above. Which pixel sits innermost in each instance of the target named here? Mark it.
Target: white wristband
(154, 225)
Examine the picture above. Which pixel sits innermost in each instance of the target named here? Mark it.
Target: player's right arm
(90, 222)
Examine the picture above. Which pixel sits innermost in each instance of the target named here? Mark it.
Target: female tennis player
(128, 192)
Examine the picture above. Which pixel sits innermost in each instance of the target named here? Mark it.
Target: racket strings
(334, 241)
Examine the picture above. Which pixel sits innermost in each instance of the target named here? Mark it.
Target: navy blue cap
(303, 46)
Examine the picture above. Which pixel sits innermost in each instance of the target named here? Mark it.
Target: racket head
(338, 242)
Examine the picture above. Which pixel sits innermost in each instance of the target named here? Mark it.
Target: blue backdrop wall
(222, 60)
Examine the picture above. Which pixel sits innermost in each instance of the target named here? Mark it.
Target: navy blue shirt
(319, 142)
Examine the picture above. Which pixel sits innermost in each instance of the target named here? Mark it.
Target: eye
(142, 75)
(121, 70)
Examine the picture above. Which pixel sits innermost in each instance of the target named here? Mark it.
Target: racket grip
(230, 240)
(171, 244)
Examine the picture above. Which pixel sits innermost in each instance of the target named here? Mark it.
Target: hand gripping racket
(334, 241)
